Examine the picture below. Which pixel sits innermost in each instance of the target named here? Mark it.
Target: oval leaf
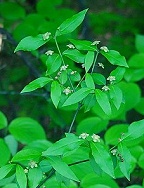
(31, 43)
(35, 84)
(99, 79)
(55, 93)
(89, 59)
(83, 45)
(26, 130)
(21, 177)
(89, 81)
(71, 24)
(74, 55)
(103, 101)
(34, 177)
(115, 58)
(102, 158)
(77, 96)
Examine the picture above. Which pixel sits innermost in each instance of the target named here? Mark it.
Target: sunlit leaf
(83, 45)
(21, 177)
(55, 93)
(89, 59)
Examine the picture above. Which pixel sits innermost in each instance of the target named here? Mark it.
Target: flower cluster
(46, 35)
(95, 137)
(73, 72)
(63, 68)
(49, 52)
(96, 42)
(111, 79)
(104, 48)
(33, 164)
(101, 65)
(26, 170)
(67, 91)
(71, 46)
(105, 88)
(114, 151)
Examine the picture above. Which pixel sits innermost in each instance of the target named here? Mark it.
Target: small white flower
(96, 138)
(101, 65)
(25, 170)
(83, 65)
(104, 48)
(59, 73)
(114, 151)
(33, 164)
(111, 78)
(46, 35)
(96, 42)
(73, 72)
(63, 68)
(56, 77)
(49, 52)
(105, 88)
(83, 135)
(71, 46)
(67, 91)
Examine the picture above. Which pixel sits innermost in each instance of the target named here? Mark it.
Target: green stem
(96, 56)
(80, 81)
(74, 118)
(63, 62)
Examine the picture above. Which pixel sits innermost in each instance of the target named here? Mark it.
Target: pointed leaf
(71, 24)
(21, 177)
(115, 58)
(74, 55)
(35, 175)
(83, 45)
(77, 96)
(102, 158)
(89, 59)
(31, 43)
(116, 96)
(103, 101)
(55, 93)
(4, 170)
(135, 130)
(89, 81)
(64, 145)
(125, 160)
(99, 79)
(53, 63)
(35, 84)
(89, 102)
(118, 73)
(62, 168)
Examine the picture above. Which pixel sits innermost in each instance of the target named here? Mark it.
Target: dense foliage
(88, 98)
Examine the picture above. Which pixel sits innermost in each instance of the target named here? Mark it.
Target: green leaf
(83, 45)
(134, 75)
(31, 43)
(136, 61)
(89, 59)
(74, 55)
(99, 79)
(89, 102)
(118, 73)
(62, 168)
(35, 84)
(64, 145)
(27, 155)
(35, 175)
(115, 132)
(55, 93)
(102, 158)
(12, 144)
(26, 130)
(21, 177)
(53, 63)
(135, 130)
(4, 153)
(96, 168)
(89, 81)
(4, 170)
(116, 96)
(103, 101)
(77, 96)
(140, 106)
(139, 43)
(71, 24)
(91, 125)
(3, 121)
(141, 161)
(63, 77)
(115, 58)
(125, 160)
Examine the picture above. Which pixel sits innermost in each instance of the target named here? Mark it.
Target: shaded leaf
(74, 55)
(4, 170)
(3, 120)
(139, 43)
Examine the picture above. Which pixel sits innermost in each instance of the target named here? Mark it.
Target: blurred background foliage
(118, 24)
